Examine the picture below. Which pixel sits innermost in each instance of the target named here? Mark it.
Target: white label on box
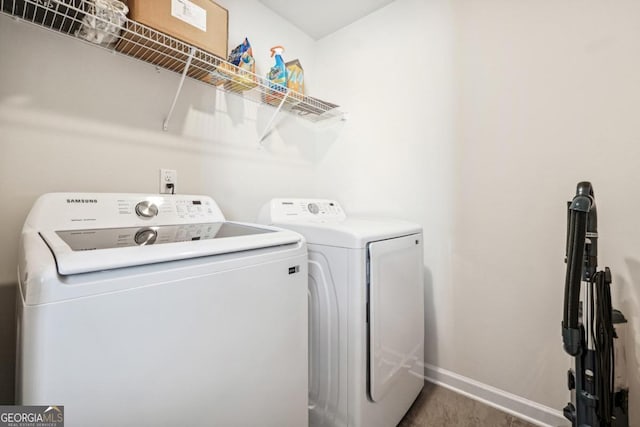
(190, 13)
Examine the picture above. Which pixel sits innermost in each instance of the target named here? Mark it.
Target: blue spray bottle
(278, 73)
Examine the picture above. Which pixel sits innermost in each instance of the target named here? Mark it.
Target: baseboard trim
(520, 407)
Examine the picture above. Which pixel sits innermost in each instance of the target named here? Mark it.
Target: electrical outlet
(168, 181)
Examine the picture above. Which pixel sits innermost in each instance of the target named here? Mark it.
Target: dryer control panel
(284, 210)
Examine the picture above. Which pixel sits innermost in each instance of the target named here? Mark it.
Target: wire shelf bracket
(269, 126)
(165, 124)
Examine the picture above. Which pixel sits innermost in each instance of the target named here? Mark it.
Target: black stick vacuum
(588, 331)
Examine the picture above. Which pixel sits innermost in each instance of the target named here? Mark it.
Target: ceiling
(320, 18)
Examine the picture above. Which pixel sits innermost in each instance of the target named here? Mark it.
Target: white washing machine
(147, 310)
(366, 312)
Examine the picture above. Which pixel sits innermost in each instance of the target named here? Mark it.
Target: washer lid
(86, 250)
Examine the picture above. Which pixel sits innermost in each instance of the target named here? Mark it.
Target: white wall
(477, 119)
(77, 118)
(547, 97)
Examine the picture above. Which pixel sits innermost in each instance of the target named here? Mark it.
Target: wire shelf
(133, 39)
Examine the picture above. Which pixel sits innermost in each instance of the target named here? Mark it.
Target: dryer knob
(146, 209)
(313, 208)
(146, 236)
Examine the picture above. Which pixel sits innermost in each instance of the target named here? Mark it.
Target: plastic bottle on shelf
(277, 77)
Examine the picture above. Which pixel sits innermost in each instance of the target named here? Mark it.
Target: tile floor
(438, 406)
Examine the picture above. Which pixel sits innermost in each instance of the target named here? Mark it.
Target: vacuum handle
(581, 224)
(571, 336)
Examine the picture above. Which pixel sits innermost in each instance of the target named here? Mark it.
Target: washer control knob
(146, 209)
(313, 208)
(145, 236)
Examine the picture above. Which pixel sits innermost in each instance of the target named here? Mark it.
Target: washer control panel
(176, 208)
(283, 210)
(73, 211)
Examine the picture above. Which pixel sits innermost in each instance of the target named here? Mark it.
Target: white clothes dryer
(366, 312)
(152, 310)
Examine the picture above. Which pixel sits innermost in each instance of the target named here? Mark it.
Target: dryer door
(396, 313)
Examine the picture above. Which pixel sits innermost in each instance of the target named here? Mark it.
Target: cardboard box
(201, 23)
(295, 76)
